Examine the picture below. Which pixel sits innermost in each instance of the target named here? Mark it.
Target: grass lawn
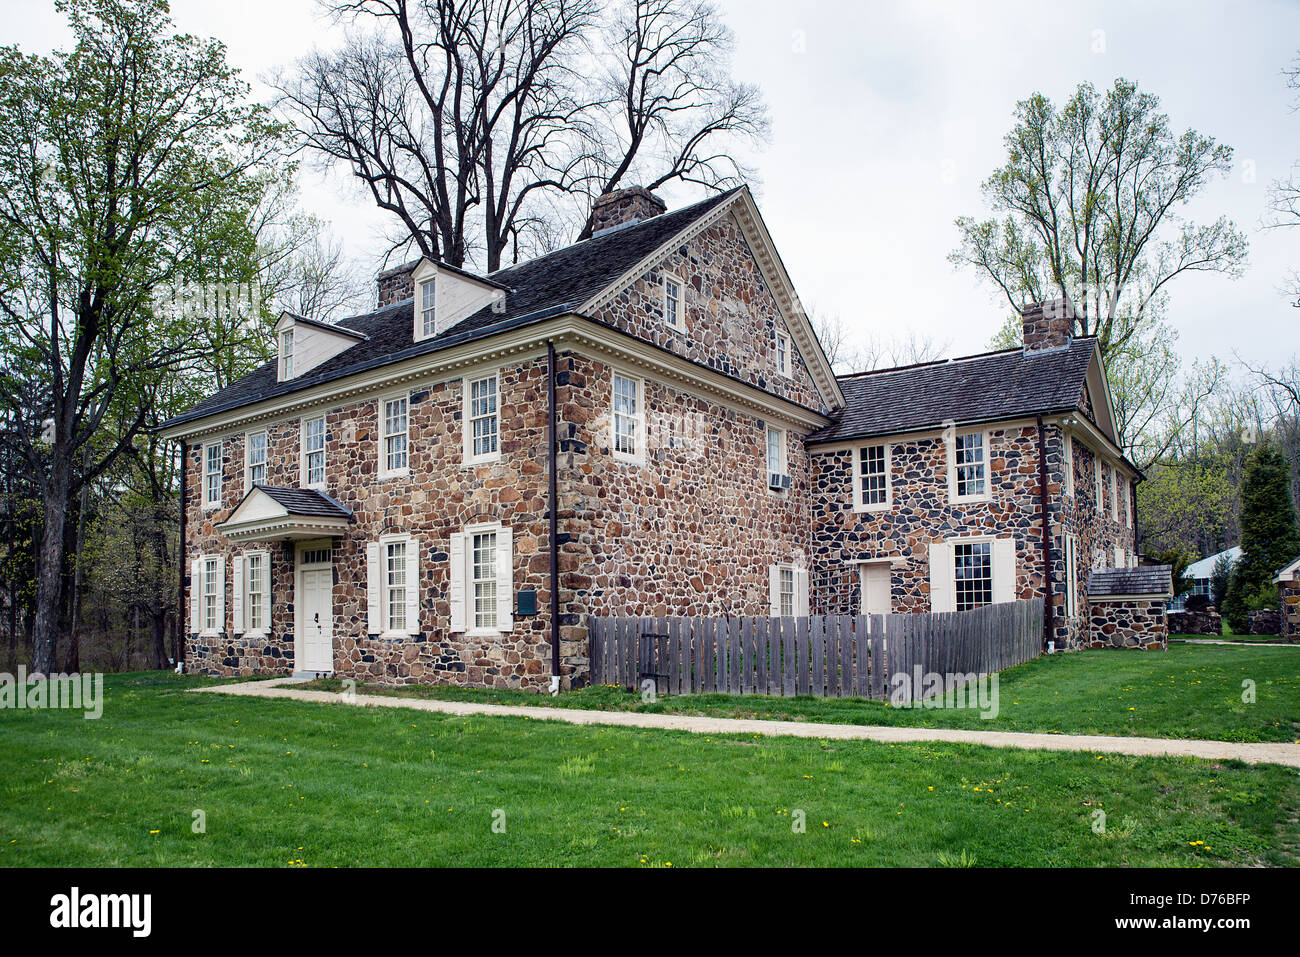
(1189, 691)
(293, 784)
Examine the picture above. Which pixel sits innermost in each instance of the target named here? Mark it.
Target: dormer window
(286, 354)
(673, 303)
(428, 313)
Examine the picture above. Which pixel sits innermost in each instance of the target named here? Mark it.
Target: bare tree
(872, 351)
(469, 120)
(1283, 210)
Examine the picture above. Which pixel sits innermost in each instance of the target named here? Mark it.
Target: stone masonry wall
(1128, 623)
(1289, 609)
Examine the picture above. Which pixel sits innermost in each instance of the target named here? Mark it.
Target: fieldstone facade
(1206, 622)
(1128, 623)
(1289, 609)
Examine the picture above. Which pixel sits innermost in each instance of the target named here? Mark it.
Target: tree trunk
(49, 578)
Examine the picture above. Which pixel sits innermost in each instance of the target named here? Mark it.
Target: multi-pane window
(211, 584)
(483, 417)
(395, 585)
(783, 353)
(427, 310)
(972, 464)
(256, 584)
(212, 475)
(286, 354)
(1114, 494)
(256, 458)
(1071, 576)
(483, 573)
(395, 439)
(673, 302)
(785, 591)
(873, 475)
(627, 416)
(775, 452)
(973, 573)
(313, 451)
(1068, 467)
(1096, 471)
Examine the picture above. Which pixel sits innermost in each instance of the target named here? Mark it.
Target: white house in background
(1200, 573)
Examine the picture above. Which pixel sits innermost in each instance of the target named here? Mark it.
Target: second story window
(212, 475)
(1099, 491)
(428, 313)
(1114, 494)
(970, 465)
(778, 478)
(783, 360)
(673, 303)
(313, 451)
(482, 419)
(872, 478)
(394, 445)
(1068, 465)
(628, 417)
(256, 463)
(286, 354)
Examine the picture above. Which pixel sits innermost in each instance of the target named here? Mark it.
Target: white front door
(876, 589)
(316, 619)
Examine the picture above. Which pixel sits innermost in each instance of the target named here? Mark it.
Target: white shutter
(456, 589)
(413, 586)
(374, 590)
(505, 578)
(266, 593)
(1004, 570)
(800, 592)
(943, 587)
(196, 596)
(221, 593)
(774, 591)
(237, 596)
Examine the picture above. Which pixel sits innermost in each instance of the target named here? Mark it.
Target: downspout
(1049, 608)
(181, 564)
(553, 504)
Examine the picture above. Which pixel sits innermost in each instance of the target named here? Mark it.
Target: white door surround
(314, 607)
(877, 588)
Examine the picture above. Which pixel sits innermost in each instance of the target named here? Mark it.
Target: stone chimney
(1048, 325)
(629, 205)
(396, 284)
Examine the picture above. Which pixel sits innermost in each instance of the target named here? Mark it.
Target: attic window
(286, 354)
(783, 353)
(673, 302)
(427, 311)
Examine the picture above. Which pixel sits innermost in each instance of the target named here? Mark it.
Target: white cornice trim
(291, 527)
(497, 350)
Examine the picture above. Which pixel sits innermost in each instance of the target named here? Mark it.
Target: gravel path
(1251, 753)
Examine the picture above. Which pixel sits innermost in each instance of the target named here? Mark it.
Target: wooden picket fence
(823, 655)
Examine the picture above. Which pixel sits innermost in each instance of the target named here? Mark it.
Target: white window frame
(1128, 502)
(782, 454)
(679, 302)
(211, 496)
(784, 359)
(1097, 464)
(386, 471)
(798, 579)
(212, 600)
(304, 471)
(248, 457)
(1114, 495)
(262, 594)
(856, 453)
(1068, 465)
(467, 417)
(463, 591)
(1071, 551)
(986, 461)
(287, 343)
(426, 313)
(637, 455)
(387, 543)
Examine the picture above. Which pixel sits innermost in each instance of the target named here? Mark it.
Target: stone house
(444, 489)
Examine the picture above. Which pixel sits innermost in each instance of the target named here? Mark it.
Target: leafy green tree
(127, 164)
(1220, 576)
(1270, 537)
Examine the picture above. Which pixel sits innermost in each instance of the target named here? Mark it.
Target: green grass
(1189, 691)
(293, 784)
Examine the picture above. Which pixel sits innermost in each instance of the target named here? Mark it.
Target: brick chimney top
(1048, 325)
(396, 284)
(622, 206)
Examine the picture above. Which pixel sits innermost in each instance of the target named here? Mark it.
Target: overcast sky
(887, 116)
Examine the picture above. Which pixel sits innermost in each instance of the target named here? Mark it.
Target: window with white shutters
(482, 569)
(395, 587)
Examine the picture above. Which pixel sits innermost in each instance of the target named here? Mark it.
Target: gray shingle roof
(1143, 580)
(541, 288)
(999, 385)
(306, 501)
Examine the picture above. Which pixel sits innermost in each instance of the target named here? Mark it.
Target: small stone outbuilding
(1127, 607)
(1288, 599)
